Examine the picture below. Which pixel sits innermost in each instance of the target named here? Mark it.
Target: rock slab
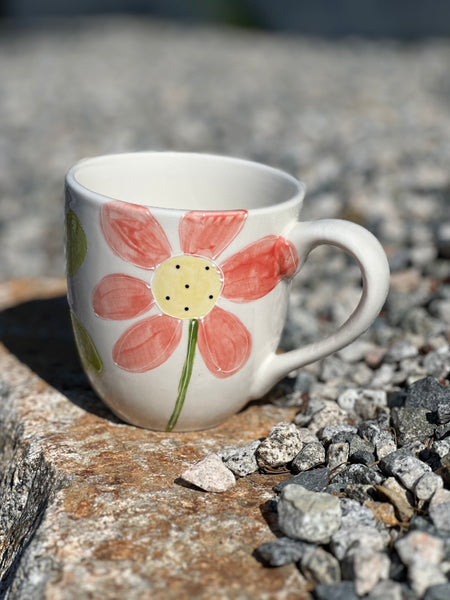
(91, 507)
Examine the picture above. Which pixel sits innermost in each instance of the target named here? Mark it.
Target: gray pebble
(385, 444)
(366, 567)
(320, 566)
(437, 363)
(423, 574)
(427, 393)
(345, 590)
(386, 590)
(243, 461)
(440, 309)
(420, 544)
(281, 551)
(329, 414)
(310, 456)
(399, 351)
(358, 444)
(315, 480)
(405, 467)
(370, 430)
(304, 381)
(438, 592)
(356, 351)
(412, 423)
(442, 431)
(363, 457)
(353, 513)
(308, 516)
(330, 432)
(337, 455)
(443, 413)
(383, 376)
(439, 509)
(360, 474)
(441, 447)
(283, 444)
(361, 374)
(333, 367)
(427, 485)
(445, 469)
(352, 538)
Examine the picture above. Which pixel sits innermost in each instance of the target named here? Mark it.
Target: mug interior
(186, 181)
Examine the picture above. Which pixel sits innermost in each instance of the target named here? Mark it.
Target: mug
(179, 268)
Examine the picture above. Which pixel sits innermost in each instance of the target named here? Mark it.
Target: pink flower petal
(133, 233)
(224, 342)
(119, 296)
(209, 233)
(254, 271)
(148, 343)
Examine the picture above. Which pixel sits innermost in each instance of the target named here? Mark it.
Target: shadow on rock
(39, 334)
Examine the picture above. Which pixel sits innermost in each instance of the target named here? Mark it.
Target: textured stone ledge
(91, 507)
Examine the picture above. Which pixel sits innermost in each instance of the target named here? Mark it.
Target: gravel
(308, 516)
(350, 511)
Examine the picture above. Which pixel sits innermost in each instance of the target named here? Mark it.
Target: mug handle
(370, 256)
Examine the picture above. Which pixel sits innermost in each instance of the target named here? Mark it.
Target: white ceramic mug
(179, 268)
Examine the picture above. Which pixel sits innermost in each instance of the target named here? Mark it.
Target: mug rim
(296, 198)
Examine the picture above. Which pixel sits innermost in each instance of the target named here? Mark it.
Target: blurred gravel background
(365, 124)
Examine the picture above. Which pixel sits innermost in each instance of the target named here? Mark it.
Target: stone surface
(210, 475)
(308, 516)
(93, 507)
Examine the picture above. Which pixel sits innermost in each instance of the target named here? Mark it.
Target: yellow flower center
(187, 287)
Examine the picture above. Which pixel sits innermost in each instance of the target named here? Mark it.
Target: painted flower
(185, 287)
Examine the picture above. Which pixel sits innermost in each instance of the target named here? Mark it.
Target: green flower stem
(185, 374)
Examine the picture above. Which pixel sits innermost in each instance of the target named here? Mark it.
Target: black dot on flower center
(186, 286)
(206, 268)
(211, 296)
(167, 297)
(177, 266)
(186, 308)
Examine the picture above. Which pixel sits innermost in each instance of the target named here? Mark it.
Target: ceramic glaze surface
(177, 314)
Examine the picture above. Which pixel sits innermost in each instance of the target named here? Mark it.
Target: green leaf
(185, 374)
(76, 244)
(89, 355)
